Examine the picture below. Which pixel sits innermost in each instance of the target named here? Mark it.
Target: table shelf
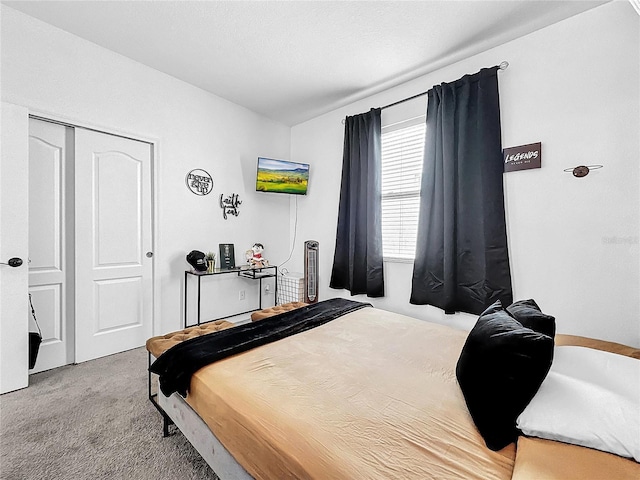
(244, 272)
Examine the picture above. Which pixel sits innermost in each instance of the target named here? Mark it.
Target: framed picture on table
(227, 256)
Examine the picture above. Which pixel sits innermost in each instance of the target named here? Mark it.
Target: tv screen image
(282, 176)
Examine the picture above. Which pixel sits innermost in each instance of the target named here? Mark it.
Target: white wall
(53, 72)
(574, 86)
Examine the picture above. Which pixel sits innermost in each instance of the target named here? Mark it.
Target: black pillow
(500, 369)
(528, 313)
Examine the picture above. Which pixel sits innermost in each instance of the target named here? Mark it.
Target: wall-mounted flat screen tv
(281, 176)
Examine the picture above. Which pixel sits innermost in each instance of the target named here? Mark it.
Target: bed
(368, 394)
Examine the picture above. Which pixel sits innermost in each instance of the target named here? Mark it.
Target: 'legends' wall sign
(522, 157)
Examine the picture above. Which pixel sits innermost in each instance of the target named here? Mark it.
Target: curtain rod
(502, 66)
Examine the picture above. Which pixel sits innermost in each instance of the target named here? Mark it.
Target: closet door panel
(118, 209)
(50, 275)
(113, 235)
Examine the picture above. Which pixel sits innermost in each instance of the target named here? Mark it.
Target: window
(402, 149)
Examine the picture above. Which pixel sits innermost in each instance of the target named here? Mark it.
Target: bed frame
(175, 411)
(202, 439)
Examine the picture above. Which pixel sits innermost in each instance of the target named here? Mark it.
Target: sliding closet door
(50, 231)
(113, 244)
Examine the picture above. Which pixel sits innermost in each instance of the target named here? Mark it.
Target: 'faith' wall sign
(522, 157)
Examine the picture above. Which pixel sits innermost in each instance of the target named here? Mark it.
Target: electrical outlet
(241, 294)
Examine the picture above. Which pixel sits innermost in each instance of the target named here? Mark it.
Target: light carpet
(92, 421)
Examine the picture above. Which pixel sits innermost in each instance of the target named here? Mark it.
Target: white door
(50, 223)
(14, 201)
(113, 244)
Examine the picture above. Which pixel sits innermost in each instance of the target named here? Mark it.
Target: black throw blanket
(176, 366)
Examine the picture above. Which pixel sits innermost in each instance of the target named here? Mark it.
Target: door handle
(13, 262)
(149, 254)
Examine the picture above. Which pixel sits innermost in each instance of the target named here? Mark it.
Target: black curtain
(462, 262)
(357, 263)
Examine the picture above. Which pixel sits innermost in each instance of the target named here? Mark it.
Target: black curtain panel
(357, 263)
(462, 262)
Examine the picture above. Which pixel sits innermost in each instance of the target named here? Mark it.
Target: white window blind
(402, 149)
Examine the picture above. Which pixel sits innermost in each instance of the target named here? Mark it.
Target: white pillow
(589, 398)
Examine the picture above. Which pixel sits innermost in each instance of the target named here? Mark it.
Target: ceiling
(295, 60)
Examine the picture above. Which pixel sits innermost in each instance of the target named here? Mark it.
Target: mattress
(370, 395)
(539, 459)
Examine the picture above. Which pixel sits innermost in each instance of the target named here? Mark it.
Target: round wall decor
(199, 181)
(582, 170)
